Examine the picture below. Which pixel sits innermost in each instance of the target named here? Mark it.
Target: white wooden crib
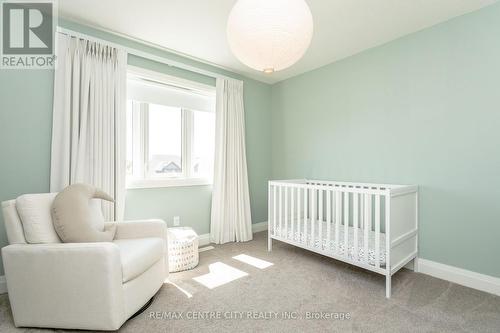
(373, 226)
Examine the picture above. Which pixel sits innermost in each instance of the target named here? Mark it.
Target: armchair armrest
(143, 229)
(140, 229)
(71, 281)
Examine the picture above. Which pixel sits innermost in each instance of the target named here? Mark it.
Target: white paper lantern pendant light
(269, 35)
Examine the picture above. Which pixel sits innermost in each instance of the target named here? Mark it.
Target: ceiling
(197, 28)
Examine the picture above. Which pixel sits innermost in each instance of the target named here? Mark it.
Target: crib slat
(275, 212)
(292, 202)
(281, 211)
(346, 224)
(368, 224)
(328, 218)
(320, 219)
(377, 231)
(299, 223)
(298, 213)
(337, 220)
(362, 211)
(313, 215)
(305, 216)
(355, 224)
(286, 212)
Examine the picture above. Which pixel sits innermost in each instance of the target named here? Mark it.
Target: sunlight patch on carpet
(256, 262)
(219, 275)
(184, 291)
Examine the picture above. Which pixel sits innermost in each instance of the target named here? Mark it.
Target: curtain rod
(144, 55)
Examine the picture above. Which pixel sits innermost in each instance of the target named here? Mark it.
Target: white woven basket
(182, 249)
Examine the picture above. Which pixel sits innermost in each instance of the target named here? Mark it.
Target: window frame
(140, 169)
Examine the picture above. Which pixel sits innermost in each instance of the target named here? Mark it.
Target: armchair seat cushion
(138, 255)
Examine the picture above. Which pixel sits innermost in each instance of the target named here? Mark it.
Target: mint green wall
(25, 136)
(25, 130)
(424, 109)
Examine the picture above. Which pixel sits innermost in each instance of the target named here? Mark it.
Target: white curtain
(88, 127)
(231, 218)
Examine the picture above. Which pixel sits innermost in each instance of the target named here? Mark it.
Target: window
(170, 131)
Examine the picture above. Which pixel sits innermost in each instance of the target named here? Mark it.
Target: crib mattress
(331, 246)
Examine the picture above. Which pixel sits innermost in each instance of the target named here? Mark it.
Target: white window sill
(174, 182)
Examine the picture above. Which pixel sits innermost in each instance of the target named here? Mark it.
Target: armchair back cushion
(12, 222)
(29, 218)
(35, 213)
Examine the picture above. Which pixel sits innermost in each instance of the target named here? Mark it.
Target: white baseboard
(203, 240)
(487, 283)
(3, 284)
(256, 227)
(206, 248)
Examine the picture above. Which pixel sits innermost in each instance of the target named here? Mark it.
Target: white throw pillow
(36, 217)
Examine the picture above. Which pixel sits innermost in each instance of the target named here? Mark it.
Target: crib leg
(269, 244)
(388, 286)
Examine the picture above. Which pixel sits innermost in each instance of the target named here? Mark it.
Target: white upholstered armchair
(93, 286)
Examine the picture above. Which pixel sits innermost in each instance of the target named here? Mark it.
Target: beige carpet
(301, 284)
